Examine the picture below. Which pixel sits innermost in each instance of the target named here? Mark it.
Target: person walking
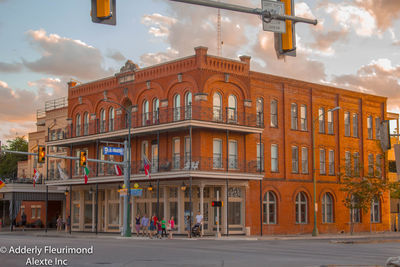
(163, 228)
(171, 227)
(187, 225)
(155, 224)
(68, 224)
(199, 222)
(59, 224)
(137, 225)
(145, 224)
(23, 218)
(159, 229)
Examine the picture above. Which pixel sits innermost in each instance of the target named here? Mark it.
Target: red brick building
(201, 120)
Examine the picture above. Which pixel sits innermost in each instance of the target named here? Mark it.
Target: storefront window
(160, 210)
(75, 215)
(88, 213)
(113, 213)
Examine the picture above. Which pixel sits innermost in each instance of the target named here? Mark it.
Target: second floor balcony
(199, 116)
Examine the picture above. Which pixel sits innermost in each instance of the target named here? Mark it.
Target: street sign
(135, 192)
(116, 151)
(273, 25)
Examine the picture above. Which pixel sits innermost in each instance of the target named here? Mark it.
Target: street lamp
(126, 230)
(315, 229)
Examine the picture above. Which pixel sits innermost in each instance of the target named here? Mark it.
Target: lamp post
(315, 229)
(126, 230)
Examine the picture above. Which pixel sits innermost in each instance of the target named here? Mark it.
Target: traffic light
(217, 203)
(41, 154)
(82, 159)
(104, 12)
(285, 43)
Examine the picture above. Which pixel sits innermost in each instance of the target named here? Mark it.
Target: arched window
(86, 123)
(327, 208)
(232, 108)
(156, 107)
(355, 211)
(301, 208)
(269, 208)
(260, 111)
(78, 125)
(102, 121)
(217, 107)
(188, 105)
(111, 117)
(375, 210)
(145, 113)
(177, 107)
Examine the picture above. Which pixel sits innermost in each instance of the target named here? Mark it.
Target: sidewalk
(339, 238)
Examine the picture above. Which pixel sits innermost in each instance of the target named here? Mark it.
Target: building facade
(209, 127)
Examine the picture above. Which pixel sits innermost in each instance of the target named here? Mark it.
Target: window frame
(267, 203)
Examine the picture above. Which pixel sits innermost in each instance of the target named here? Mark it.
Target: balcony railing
(164, 116)
(172, 164)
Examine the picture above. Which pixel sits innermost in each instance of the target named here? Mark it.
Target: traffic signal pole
(266, 15)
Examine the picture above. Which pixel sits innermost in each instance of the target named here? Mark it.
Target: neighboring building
(51, 121)
(393, 176)
(213, 123)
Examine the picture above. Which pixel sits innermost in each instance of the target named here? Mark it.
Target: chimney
(201, 55)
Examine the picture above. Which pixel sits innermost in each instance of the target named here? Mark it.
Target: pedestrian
(23, 218)
(68, 224)
(155, 221)
(137, 225)
(59, 224)
(152, 228)
(171, 227)
(145, 224)
(187, 225)
(159, 229)
(199, 222)
(163, 227)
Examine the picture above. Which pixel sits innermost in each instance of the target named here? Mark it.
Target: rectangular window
(234, 213)
(274, 158)
(260, 157)
(378, 166)
(347, 124)
(321, 119)
(377, 128)
(331, 162)
(355, 125)
(369, 127)
(176, 153)
(217, 153)
(330, 122)
(370, 165)
(233, 155)
(322, 163)
(303, 117)
(347, 158)
(295, 159)
(144, 152)
(356, 158)
(154, 157)
(274, 113)
(187, 150)
(294, 116)
(304, 160)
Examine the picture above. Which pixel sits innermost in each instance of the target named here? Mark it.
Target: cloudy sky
(45, 43)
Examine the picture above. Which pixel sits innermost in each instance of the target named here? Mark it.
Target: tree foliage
(9, 161)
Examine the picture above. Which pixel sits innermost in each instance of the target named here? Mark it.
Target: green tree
(360, 191)
(9, 161)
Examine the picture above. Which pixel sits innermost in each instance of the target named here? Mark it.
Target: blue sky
(45, 43)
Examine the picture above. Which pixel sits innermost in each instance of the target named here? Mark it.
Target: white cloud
(351, 17)
(65, 57)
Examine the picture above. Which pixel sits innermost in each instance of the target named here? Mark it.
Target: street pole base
(315, 232)
(218, 235)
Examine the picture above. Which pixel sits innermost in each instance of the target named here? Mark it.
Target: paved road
(111, 251)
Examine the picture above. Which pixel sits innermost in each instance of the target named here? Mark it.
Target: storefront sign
(135, 192)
